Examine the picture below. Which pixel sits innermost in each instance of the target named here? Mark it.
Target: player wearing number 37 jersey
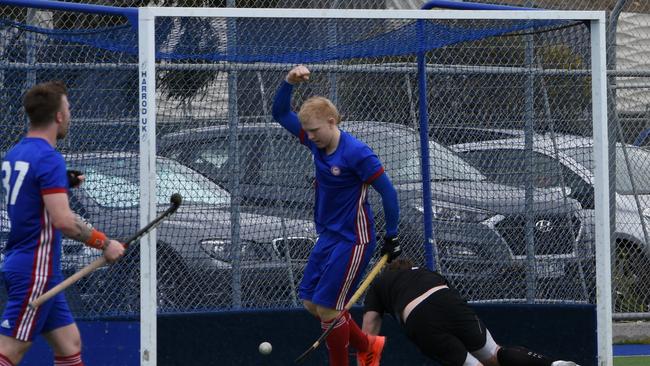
(35, 184)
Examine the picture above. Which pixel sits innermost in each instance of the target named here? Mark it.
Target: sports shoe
(564, 363)
(373, 355)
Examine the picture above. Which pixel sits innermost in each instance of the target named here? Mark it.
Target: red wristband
(96, 240)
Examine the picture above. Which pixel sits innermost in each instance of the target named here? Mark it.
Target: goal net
(484, 122)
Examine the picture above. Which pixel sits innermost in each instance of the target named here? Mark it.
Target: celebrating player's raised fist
(298, 74)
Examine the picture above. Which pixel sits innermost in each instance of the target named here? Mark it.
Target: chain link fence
(243, 237)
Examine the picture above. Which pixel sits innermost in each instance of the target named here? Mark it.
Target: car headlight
(457, 213)
(217, 248)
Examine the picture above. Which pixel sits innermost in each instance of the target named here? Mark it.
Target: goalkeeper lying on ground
(438, 320)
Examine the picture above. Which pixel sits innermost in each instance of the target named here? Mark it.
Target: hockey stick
(362, 288)
(175, 200)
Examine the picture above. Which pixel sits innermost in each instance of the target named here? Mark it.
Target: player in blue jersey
(35, 184)
(345, 169)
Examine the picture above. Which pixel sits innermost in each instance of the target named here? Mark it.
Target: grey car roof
(541, 142)
(85, 156)
(208, 132)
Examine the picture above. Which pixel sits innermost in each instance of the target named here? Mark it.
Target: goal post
(597, 72)
(492, 126)
(602, 192)
(147, 147)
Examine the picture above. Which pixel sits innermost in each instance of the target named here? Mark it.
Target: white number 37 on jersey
(11, 193)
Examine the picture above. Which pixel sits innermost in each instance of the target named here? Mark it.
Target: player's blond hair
(319, 107)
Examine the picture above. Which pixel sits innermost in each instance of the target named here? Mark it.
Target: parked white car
(566, 161)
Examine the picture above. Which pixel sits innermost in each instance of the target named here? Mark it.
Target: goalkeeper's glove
(391, 247)
(73, 178)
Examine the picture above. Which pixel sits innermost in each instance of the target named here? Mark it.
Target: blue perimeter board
(632, 350)
(231, 338)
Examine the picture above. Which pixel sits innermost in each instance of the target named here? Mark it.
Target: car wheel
(630, 279)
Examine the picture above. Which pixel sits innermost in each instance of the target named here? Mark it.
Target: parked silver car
(479, 227)
(566, 161)
(203, 263)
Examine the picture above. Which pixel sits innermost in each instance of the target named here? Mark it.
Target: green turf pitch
(632, 361)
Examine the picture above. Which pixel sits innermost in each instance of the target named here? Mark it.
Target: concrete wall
(631, 332)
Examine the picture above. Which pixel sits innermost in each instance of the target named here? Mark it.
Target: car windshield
(638, 158)
(266, 158)
(399, 150)
(114, 182)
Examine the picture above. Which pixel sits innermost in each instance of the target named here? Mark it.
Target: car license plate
(549, 268)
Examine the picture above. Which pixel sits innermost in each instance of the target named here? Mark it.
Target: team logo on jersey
(335, 170)
(5, 324)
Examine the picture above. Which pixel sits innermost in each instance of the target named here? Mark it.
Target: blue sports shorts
(333, 271)
(23, 323)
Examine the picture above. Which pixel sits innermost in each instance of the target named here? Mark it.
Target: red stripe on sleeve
(53, 190)
(375, 176)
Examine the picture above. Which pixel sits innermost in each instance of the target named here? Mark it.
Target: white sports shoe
(564, 363)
